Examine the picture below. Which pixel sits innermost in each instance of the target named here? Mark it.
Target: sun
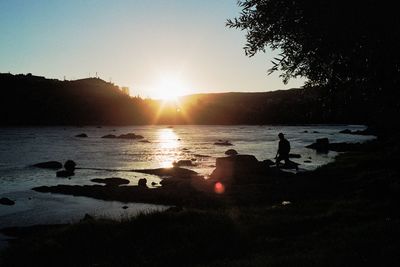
(170, 88)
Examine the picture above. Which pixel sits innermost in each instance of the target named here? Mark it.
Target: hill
(35, 100)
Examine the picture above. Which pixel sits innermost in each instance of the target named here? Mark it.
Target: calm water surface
(22, 147)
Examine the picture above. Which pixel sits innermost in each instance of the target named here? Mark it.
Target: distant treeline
(34, 100)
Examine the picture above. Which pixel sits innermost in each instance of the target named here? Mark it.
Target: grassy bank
(343, 214)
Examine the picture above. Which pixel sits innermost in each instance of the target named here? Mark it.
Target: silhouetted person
(283, 150)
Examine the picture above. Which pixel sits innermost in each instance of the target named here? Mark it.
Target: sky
(151, 46)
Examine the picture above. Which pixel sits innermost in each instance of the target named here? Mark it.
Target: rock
(125, 207)
(231, 152)
(183, 162)
(81, 135)
(144, 141)
(307, 161)
(346, 131)
(321, 145)
(64, 173)
(109, 136)
(170, 172)
(289, 165)
(268, 162)
(305, 131)
(87, 217)
(113, 181)
(238, 168)
(6, 201)
(142, 183)
(315, 132)
(223, 143)
(55, 165)
(294, 156)
(153, 183)
(130, 136)
(202, 156)
(70, 165)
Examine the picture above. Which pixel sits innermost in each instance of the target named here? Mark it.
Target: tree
(329, 42)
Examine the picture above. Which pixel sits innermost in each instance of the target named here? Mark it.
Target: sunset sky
(150, 46)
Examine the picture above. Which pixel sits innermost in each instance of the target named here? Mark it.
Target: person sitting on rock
(283, 150)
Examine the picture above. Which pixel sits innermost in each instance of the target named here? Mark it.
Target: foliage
(332, 43)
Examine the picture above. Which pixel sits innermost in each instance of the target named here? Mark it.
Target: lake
(22, 147)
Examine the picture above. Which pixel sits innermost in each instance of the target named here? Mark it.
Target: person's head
(281, 136)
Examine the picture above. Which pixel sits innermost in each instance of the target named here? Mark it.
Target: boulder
(55, 165)
(109, 136)
(6, 201)
(70, 165)
(113, 181)
(321, 145)
(202, 156)
(177, 172)
(183, 162)
(64, 173)
(81, 135)
(223, 143)
(142, 183)
(238, 168)
(268, 162)
(130, 136)
(231, 152)
(87, 217)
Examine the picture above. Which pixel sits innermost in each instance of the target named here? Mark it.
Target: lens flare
(219, 188)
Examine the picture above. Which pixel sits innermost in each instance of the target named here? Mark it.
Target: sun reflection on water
(168, 144)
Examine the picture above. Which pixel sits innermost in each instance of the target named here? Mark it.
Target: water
(22, 147)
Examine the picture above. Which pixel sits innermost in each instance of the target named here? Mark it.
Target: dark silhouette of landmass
(35, 100)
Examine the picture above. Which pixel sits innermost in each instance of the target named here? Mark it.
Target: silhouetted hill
(293, 106)
(35, 100)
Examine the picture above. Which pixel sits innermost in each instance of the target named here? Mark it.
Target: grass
(343, 214)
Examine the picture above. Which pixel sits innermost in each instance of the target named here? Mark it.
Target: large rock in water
(183, 162)
(239, 168)
(231, 152)
(6, 201)
(113, 181)
(321, 145)
(70, 165)
(130, 136)
(55, 165)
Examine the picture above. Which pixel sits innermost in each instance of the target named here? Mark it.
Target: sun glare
(170, 88)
